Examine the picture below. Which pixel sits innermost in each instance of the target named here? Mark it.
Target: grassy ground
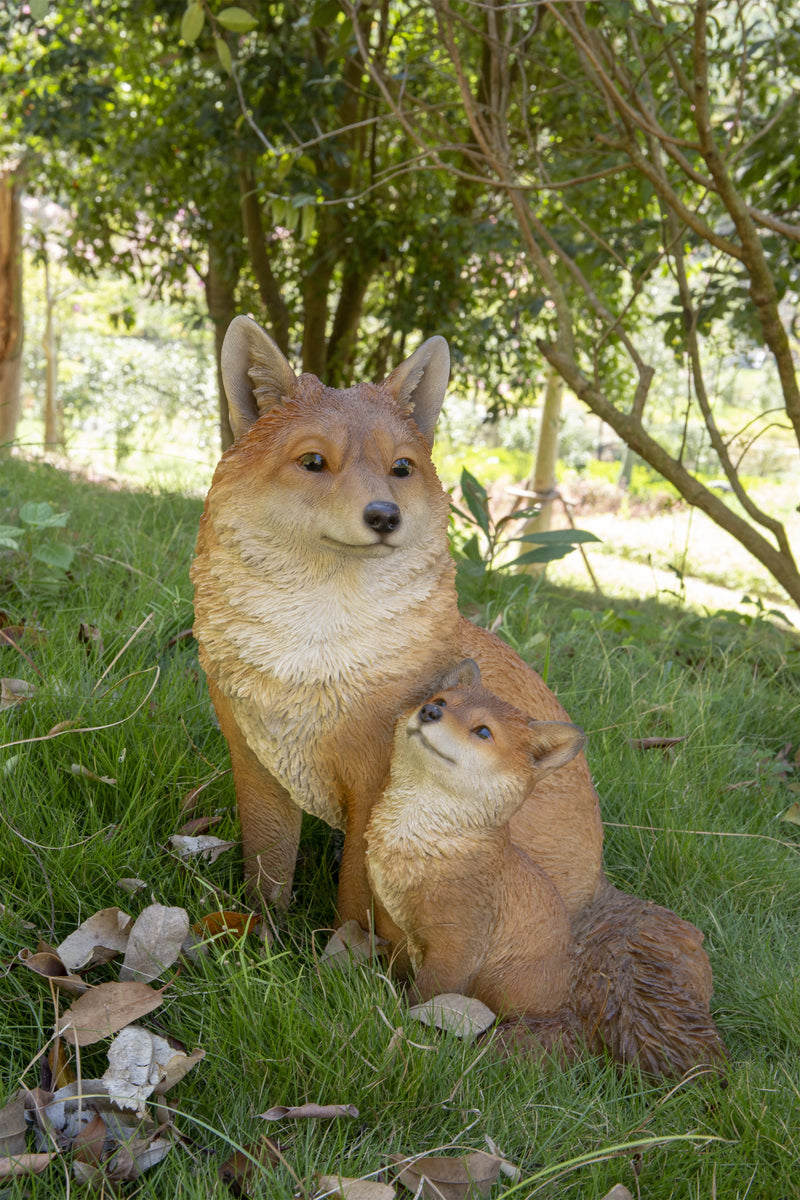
(696, 829)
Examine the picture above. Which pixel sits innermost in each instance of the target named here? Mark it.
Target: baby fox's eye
(402, 467)
(483, 731)
(439, 701)
(312, 462)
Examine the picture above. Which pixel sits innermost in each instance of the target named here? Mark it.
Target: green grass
(274, 1028)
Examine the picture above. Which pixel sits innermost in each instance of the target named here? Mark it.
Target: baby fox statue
(482, 918)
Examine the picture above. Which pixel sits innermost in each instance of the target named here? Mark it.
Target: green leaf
(557, 537)
(224, 54)
(308, 220)
(542, 555)
(39, 9)
(477, 500)
(42, 516)
(472, 550)
(237, 20)
(192, 22)
(55, 555)
(324, 14)
(521, 514)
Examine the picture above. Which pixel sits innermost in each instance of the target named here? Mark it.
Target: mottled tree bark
(11, 310)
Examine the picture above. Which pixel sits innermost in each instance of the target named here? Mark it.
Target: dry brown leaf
(463, 1015)
(792, 813)
(198, 825)
(222, 924)
(176, 1067)
(85, 773)
(154, 942)
(345, 1188)
(655, 743)
(90, 636)
(105, 1009)
(88, 1145)
(463, 1178)
(61, 726)
(58, 1060)
(135, 1157)
(25, 1164)
(15, 691)
(103, 934)
(131, 885)
(351, 944)
(12, 1128)
(314, 1111)
(48, 965)
(205, 846)
(240, 1172)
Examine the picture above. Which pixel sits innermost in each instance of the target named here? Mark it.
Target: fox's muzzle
(383, 516)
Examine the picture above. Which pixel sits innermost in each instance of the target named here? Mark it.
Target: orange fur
(483, 919)
(316, 630)
(480, 916)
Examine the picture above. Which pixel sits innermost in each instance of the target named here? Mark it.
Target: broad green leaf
(55, 555)
(8, 536)
(308, 220)
(472, 550)
(39, 9)
(237, 20)
(192, 22)
(542, 555)
(324, 14)
(224, 54)
(477, 500)
(557, 537)
(42, 515)
(520, 514)
(285, 164)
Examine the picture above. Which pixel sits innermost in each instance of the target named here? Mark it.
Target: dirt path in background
(619, 576)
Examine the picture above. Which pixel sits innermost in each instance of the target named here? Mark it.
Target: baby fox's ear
(466, 674)
(552, 744)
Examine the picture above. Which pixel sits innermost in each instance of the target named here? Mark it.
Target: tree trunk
(316, 287)
(268, 286)
(342, 342)
(53, 436)
(543, 480)
(220, 284)
(11, 311)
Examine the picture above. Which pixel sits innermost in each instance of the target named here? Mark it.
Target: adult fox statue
(325, 607)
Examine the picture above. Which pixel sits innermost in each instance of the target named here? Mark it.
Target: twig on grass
(10, 642)
(763, 837)
(118, 656)
(59, 732)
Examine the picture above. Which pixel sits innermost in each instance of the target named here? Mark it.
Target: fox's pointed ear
(552, 744)
(255, 373)
(421, 382)
(466, 674)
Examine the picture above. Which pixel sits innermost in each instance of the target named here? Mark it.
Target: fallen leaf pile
(119, 1125)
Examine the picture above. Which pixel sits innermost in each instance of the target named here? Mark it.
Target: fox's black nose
(382, 515)
(431, 712)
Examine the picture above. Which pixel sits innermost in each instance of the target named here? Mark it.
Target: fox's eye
(402, 467)
(483, 731)
(312, 462)
(439, 702)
